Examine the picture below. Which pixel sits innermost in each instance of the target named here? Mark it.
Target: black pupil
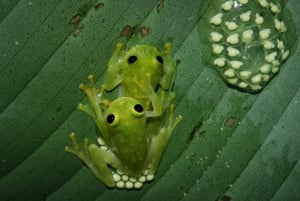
(160, 59)
(132, 59)
(138, 108)
(110, 118)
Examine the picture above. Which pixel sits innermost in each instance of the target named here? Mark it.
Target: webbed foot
(79, 149)
(94, 157)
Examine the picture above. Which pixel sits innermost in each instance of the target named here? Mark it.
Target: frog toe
(78, 149)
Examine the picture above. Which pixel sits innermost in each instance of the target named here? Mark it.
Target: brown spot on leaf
(99, 6)
(127, 31)
(197, 131)
(76, 32)
(160, 6)
(144, 31)
(230, 121)
(75, 19)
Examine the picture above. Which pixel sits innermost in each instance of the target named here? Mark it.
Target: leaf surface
(231, 144)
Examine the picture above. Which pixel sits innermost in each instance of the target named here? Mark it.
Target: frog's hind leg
(94, 157)
(165, 99)
(160, 142)
(172, 122)
(79, 149)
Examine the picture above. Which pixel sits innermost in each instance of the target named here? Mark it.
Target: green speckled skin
(140, 79)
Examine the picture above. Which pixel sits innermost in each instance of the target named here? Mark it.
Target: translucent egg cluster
(248, 41)
(123, 180)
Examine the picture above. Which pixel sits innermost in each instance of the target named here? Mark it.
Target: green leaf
(231, 145)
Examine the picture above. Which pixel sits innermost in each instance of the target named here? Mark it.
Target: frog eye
(160, 59)
(138, 110)
(112, 120)
(132, 59)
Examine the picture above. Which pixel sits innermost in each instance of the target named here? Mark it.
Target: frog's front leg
(160, 141)
(97, 104)
(160, 102)
(114, 71)
(156, 104)
(96, 158)
(101, 158)
(168, 67)
(95, 97)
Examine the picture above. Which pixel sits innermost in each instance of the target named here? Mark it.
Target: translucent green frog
(130, 144)
(142, 72)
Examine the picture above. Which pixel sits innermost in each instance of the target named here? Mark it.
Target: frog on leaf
(141, 71)
(130, 147)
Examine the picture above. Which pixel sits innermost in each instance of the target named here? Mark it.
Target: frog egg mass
(124, 181)
(253, 35)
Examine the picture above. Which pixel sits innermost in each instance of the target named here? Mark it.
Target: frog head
(144, 63)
